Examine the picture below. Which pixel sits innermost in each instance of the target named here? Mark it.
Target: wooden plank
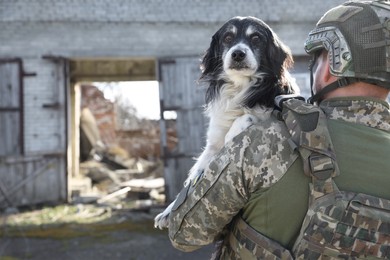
(180, 87)
(9, 133)
(9, 85)
(9, 109)
(191, 130)
(6, 196)
(114, 194)
(18, 190)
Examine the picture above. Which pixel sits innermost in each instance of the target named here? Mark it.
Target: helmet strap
(311, 65)
(341, 82)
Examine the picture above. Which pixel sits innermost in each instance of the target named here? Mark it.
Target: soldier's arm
(255, 159)
(216, 198)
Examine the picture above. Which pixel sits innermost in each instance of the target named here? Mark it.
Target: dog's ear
(211, 60)
(280, 56)
(279, 61)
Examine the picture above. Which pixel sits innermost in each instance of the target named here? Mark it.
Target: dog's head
(245, 49)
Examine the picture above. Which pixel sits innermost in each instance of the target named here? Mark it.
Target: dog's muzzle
(240, 57)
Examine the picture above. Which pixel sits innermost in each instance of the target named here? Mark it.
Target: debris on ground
(134, 179)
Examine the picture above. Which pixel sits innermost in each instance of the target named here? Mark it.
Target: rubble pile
(123, 165)
(123, 182)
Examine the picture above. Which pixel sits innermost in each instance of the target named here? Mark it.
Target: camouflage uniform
(257, 180)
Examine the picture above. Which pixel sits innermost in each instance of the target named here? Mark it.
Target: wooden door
(180, 92)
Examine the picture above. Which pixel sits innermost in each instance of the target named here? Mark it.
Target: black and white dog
(245, 67)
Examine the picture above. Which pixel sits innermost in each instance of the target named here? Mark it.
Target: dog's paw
(239, 125)
(162, 220)
(194, 176)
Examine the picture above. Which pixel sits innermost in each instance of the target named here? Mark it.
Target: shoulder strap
(310, 136)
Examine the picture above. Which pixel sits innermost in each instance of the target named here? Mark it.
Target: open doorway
(127, 115)
(116, 151)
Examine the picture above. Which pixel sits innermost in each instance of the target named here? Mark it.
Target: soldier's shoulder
(266, 133)
(266, 150)
(271, 129)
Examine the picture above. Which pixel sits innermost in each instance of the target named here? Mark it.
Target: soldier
(254, 195)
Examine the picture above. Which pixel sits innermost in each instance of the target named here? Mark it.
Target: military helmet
(357, 38)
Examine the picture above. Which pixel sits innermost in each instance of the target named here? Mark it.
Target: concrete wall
(141, 28)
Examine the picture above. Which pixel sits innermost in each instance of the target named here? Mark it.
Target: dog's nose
(238, 55)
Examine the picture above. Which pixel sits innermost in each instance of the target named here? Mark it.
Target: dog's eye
(255, 39)
(228, 38)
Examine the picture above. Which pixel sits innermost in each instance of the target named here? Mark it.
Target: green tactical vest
(338, 224)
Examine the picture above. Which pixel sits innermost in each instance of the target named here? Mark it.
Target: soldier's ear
(325, 74)
(321, 72)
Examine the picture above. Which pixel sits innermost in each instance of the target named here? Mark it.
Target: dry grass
(68, 221)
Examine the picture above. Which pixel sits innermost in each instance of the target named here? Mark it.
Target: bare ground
(112, 245)
(129, 235)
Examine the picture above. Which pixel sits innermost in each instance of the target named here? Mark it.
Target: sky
(143, 95)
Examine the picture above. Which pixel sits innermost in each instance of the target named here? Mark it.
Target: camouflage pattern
(356, 36)
(257, 158)
(309, 133)
(369, 112)
(339, 225)
(345, 225)
(246, 243)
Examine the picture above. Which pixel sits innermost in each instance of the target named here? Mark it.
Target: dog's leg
(214, 144)
(202, 162)
(162, 220)
(239, 125)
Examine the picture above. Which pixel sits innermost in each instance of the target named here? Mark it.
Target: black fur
(275, 59)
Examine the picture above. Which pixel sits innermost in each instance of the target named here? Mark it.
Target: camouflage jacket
(253, 161)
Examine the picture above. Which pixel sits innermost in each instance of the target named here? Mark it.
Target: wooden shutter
(11, 108)
(180, 92)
